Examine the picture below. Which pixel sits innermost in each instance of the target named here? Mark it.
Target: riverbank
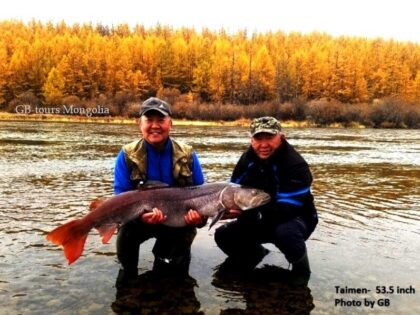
(128, 121)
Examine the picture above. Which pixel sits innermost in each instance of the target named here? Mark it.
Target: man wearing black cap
(273, 165)
(156, 157)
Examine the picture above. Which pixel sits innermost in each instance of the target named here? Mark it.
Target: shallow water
(367, 195)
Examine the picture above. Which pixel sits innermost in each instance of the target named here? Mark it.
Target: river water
(366, 185)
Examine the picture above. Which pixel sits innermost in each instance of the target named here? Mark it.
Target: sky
(397, 19)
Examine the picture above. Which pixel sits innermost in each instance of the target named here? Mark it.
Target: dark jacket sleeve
(291, 201)
(239, 170)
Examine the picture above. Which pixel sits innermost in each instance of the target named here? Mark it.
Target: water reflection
(264, 291)
(152, 293)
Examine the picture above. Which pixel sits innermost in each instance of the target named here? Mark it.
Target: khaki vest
(182, 160)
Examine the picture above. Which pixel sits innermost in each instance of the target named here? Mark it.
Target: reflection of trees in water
(154, 294)
(265, 292)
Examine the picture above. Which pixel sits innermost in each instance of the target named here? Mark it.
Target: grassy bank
(65, 118)
(125, 120)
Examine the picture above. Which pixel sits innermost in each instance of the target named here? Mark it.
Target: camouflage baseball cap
(265, 124)
(154, 103)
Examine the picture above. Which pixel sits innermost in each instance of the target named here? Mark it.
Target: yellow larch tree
(53, 89)
(263, 70)
(3, 73)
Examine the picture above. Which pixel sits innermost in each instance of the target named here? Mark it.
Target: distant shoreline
(4, 116)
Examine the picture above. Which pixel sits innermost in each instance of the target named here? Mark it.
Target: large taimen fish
(210, 200)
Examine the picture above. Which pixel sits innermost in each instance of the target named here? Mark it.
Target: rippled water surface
(367, 194)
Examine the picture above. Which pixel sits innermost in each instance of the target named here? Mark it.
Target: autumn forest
(211, 74)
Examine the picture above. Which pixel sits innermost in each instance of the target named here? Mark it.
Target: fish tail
(72, 236)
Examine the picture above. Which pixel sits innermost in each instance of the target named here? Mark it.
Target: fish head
(237, 197)
(244, 198)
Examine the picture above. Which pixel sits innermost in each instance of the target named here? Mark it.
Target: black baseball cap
(154, 103)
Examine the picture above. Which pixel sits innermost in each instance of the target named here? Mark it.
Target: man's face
(155, 128)
(264, 144)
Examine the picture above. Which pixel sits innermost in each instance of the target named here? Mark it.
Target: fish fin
(72, 236)
(96, 203)
(217, 217)
(107, 231)
(152, 184)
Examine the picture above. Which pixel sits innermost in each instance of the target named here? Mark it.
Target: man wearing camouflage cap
(273, 165)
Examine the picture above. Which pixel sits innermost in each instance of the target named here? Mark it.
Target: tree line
(49, 64)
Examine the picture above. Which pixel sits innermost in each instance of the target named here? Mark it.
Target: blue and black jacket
(285, 175)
